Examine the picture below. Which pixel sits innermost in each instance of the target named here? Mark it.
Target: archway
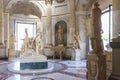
(24, 11)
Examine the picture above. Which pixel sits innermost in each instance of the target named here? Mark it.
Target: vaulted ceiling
(26, 8)
(37, 7)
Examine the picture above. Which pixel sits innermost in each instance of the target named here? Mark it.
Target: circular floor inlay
(4, 62)
(74, 63)
(42, 78)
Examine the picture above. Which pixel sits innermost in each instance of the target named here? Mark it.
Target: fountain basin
(15, 68)
(34, 65)
(35, 61)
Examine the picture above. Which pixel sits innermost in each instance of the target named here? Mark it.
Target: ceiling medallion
(60, 1)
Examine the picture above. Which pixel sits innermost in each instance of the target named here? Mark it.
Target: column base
(114, 77)
(4, 58)
(70, 45)
(12, 54)
(48, 45)
(98, 63)
(3, 54)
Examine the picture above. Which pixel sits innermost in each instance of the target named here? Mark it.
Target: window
(20, 32)
(107, 26)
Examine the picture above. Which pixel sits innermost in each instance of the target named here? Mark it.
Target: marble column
(72, 21)
(116, 41)
(48, 25)
(1, 23)
(11, 50)
(116, 17)
(6, 31)
(6, 26)
(115, 44)
(11, 26)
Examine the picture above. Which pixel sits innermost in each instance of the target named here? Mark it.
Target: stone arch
(63, 25)
(25, 7)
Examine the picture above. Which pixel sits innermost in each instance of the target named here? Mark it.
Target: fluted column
(1, 23)
(115, 44)
(6, 26)
(48, 25)
(72, 21)
(116, 17)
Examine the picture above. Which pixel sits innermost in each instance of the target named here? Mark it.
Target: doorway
(20, 32)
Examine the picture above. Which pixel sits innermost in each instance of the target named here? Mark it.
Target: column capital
(48, 2)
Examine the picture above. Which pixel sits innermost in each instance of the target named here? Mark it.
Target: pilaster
(72, 21)
(1, 23)
(48, 25)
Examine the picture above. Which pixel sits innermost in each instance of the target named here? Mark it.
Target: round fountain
(77, 64)
(31, 60)
(31, 64)
(15, 68)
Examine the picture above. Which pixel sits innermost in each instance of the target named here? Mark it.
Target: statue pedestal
(96, 65)
(115, 44)
(3, 54)
(12, 54)
(76, 56)
(34, 61)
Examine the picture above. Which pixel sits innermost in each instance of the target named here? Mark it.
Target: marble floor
(62, 70)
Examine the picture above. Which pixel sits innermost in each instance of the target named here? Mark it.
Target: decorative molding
(61, 5)
(48, 2)
(42, 78)
(115, 44)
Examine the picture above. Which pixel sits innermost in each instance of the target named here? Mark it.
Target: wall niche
(61, 33)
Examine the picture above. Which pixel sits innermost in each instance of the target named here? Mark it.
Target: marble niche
(60, 40)
(61, 33)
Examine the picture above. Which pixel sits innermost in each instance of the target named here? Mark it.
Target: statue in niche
(76, 43)
(96, 40)
(60, 35)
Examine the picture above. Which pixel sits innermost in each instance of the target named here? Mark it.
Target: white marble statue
(38, 42)
(33, 44)
(76, 43)
(32, 56)
(59, 35)
(76, 46)
(25, 45)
